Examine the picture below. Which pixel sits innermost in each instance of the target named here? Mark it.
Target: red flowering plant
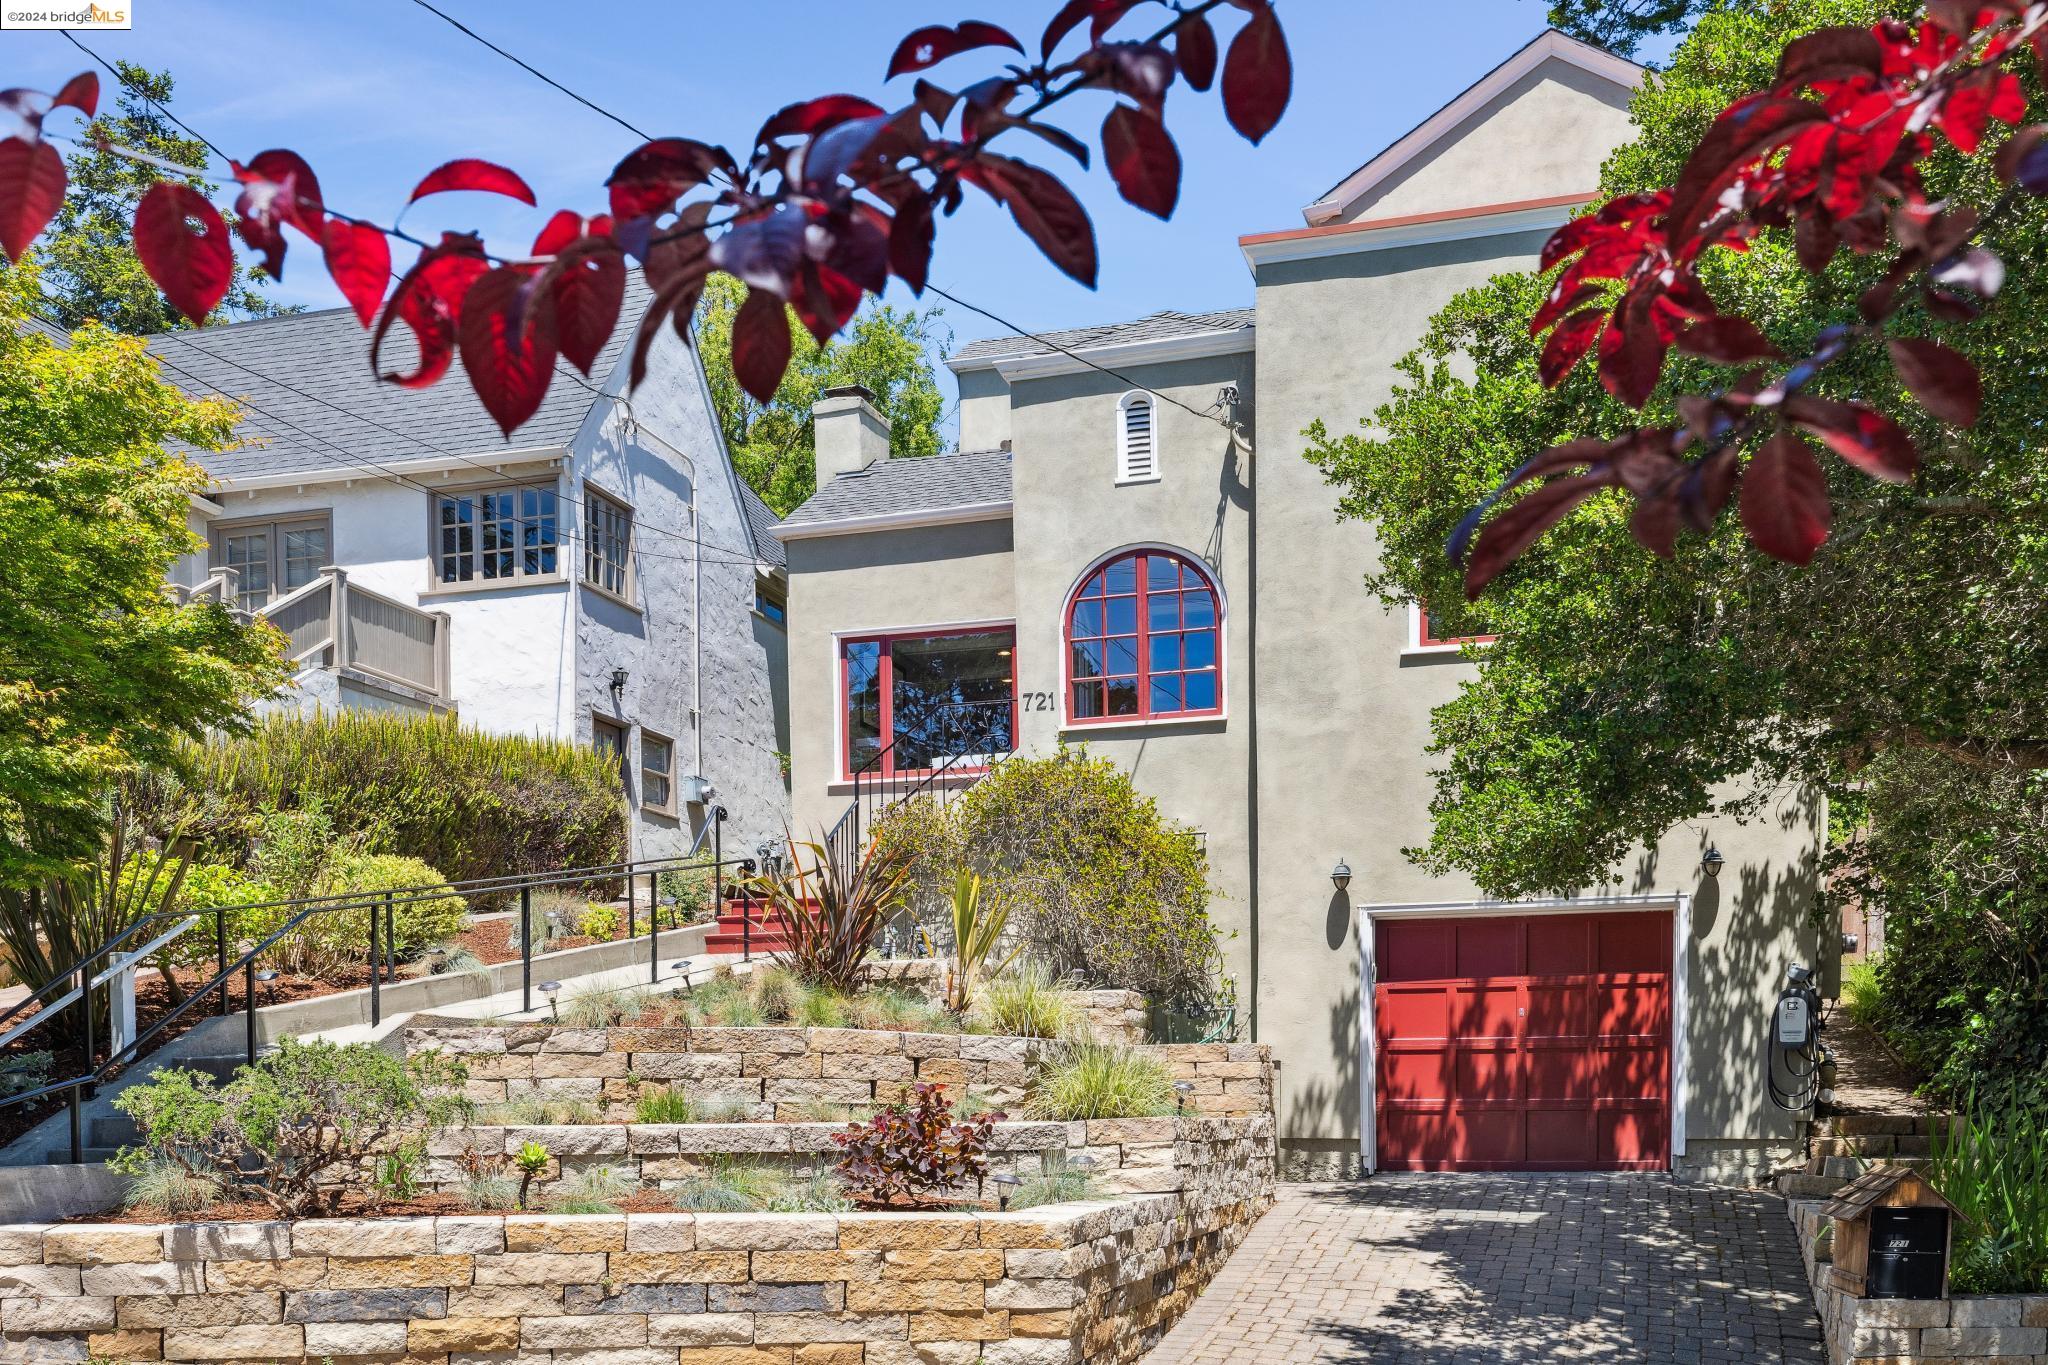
(1833, 151)
(833, 196)
(913, 1152)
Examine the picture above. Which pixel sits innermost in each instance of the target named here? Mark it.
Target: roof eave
(481, 462)
(1420, 229)
(960, 514)
(1154, 351)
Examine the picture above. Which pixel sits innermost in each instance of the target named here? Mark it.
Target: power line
(531, 70)
(144, 96)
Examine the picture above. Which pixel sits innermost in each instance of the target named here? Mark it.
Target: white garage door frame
(1678, 903)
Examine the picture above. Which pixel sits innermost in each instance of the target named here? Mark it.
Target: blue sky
(376, 92)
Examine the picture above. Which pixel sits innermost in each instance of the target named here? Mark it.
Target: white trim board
(1547, 46)
(894, 521)
(1678, 903)
(1156, 351)
(493, 463)
(1459, 227)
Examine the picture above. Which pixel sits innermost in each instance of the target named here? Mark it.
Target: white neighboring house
(603, 577)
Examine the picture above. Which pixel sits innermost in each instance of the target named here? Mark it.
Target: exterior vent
(1137, 448)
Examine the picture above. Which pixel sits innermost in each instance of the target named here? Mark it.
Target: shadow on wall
(1741, 924)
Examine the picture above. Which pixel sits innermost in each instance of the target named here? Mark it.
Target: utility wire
(531, 70)
(122, 80)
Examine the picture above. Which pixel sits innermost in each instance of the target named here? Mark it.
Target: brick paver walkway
(1485, 1269)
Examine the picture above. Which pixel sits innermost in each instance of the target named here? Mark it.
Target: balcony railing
(333, 623)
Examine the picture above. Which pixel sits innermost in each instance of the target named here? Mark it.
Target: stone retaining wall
(2008, 1329)
(1090, 1283)
(782, 1074)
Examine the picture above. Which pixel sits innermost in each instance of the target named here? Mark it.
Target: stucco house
(1145, 563)
(604, 577)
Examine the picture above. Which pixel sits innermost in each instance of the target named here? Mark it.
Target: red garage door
(1532, 1043)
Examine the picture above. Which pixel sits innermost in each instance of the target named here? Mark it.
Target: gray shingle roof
(49, 330)
(325, 355)
(1158, 327)
(761, 521)
(918, 483)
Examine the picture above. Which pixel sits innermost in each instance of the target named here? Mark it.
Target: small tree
(914, 1151)
(299, 1128)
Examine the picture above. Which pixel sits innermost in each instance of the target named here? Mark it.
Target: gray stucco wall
(984, 410)
(669, 464)
(873, 584)
(1071, 513)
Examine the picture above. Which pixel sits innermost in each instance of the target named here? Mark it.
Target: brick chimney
(851, 432)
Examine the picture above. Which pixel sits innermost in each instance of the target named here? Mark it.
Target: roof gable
(1552, 57)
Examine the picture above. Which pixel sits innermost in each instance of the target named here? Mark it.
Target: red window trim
(1144, 714)
(885, 670)
(1424, 640)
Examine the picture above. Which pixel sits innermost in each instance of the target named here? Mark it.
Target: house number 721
(1035, 701)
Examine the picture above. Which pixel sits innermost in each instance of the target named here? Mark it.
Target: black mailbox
(1891, 1236)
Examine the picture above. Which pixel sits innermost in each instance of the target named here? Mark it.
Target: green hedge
(468, 803)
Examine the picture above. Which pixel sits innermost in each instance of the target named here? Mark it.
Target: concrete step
(1809, 1186)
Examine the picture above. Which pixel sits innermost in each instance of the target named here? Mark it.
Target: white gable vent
(1137, 439)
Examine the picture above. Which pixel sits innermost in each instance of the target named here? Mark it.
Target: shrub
(1028, 1003)
(1103, 888)
(914, 1151)
(599, 922)
(211, 885)
(977, 930)
(819, 1192)
(1089, 1081)
(470, 803)
(296, 1128)
(664, 1104)
(835, 914)
(727, 1186)
(596, 1190)
(605, 1008)
(1053, 1187)
(1862, 993)
(416, 921)
(398, 1171)
(1992, 1164)
(530, 1161)
(168, 1190)
(689, 888)
(24, 1071)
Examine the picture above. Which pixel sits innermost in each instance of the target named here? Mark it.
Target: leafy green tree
(90, 271)
(99, 671)
(886, 351)
(1629, 693)
(1620, 26)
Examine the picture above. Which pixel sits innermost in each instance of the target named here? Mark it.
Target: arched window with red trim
(1144, 640)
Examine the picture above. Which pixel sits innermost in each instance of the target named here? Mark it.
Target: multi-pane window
(913, 703)
(608, 547)
(657, 771)
(493, 534)
(272, 558)
(608, 737)
(1142, 640)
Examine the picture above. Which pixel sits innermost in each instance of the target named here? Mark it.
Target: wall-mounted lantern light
(1711, 860)
(1340, 875)
(619, 676)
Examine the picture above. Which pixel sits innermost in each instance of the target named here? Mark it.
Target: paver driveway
(1481, 1269)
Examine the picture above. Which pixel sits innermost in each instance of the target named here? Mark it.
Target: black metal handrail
(879, 787)
(382, 955)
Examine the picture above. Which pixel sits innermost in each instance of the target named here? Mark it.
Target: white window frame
(596, 501)
(1416, 640)
(274, 527)
(1128, 471)
(647, 737)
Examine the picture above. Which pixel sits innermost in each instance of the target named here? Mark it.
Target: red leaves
(1142, 159)
(359, 261)
(278, 188)
(1045, 209)
(1745, 131)
(1866, 438)
(508, 362)
(1194, 47)
(760, 344)
(32, 182)
(81, 92)
(182, 242)
(816, 115)
(429, 300)
(1258, 75)
(656, 174)
(1568, 343)
(911, 238)
(1943, 380)
(1516, 529)
(1785, 500)
(1830, 54)
(933, 44)
(577, 299)
(469, 173)
(1726, 341)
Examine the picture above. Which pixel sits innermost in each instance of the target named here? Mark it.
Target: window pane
(863, 702)
(1123, 615)
(305, 554)
(1087, 619)
(499, 538)
(1123, 697)
(1201, 648)
(1163, 611)
(1166, 694)
(1201, 691)
(1088, 659)
(1123, 654)
(1093, 588)
(1122, 576)
(1088, 701)
(1161, 572)
(654, 754)
(458, 540)
(1191, 578)
(951, 697)
(654, 791)
(1200, 608)
(1165, 653)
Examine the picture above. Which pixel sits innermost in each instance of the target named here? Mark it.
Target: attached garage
(1503, 1039)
